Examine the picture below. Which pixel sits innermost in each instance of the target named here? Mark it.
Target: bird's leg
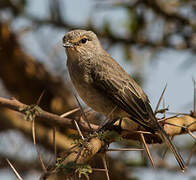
(107, 125)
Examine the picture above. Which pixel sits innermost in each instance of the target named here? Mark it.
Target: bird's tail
(171, 146)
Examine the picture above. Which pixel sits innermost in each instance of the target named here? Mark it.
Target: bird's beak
(67, 44)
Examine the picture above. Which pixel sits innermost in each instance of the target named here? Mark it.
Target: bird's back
(113, 81)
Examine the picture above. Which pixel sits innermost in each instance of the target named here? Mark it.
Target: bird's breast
(93, 97)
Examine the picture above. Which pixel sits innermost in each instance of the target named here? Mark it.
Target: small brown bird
(104, 85)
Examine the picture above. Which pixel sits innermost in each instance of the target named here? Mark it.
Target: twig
(125, 149)
(69, 112)
(79, 152)
(164, 114)
(98, 169)
(78, 128)
(105, 166)
(68, 150)
(166, 149)
(83, 114)
(54, 142)
(41, 160)
(44, 115)
(12, 167)
(33, 131)
(176, 125)
(34, 142)
(191, 154)
(161, 97)
(40, 97)
(189, 125)
(194, 101)
(165, 119)
(147, 150)
(192, 135)
(56, 120)
(143, 132)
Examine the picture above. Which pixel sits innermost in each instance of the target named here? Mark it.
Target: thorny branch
(92, 144)
(173, 126)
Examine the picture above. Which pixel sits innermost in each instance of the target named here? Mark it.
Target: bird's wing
(125, 92)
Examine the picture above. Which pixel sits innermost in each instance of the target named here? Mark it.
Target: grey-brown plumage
(104, 85)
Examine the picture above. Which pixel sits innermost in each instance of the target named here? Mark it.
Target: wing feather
(125, 92)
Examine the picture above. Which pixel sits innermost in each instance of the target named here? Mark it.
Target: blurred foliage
(16, 7)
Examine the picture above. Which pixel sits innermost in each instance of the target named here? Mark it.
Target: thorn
(142, 152)
(12, 167)
(191, 124)
(34, 142)
(68, 150)
(165, 119)
(79, 152)
(69, 112)
(147, 150)
(54, 142)
(41, 160)
(40, 97)
(33, 131)
(98, 169)
(83, 114)
(164, 114)
(105, 166)
(78, 128)
(176, 125)
(166, 149)
(143, 132)
(194, 101)
(126, 149)
(161, 97)
(191, 154)
(192, 135)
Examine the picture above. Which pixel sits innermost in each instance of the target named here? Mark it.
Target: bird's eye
(83, 41)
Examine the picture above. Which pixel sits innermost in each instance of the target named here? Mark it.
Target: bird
(106, 87)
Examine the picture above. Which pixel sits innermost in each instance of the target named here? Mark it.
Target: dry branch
(66, 166)
(173, 126)
(91, 145)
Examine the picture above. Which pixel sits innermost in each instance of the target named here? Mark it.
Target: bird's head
(81, 43)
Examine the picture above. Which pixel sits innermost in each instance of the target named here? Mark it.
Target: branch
(22, 165)
(173, 126)
(88, 147)
(45, 116)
